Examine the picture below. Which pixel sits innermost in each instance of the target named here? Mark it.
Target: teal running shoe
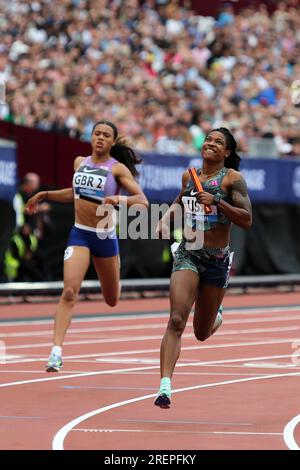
(54, 363)
(218, 320)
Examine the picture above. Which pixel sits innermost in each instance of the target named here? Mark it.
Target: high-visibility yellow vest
(12, 264)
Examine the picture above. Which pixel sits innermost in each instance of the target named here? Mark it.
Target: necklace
(209, 176)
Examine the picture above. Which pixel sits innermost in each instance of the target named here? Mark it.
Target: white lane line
(96, 319)
(259, 330)
(21, 417)
(268, 320)
(229, 374)
(58, 441)
(127, 360)
(270, 365)
(135, 369)
(91, 430)
(250, 433)
(40, 371)
(133, 339)
(75, 331)
(183, 421)
(116, 317)
(144, 351)
(117, 354)
(71, 376)
(288, 433)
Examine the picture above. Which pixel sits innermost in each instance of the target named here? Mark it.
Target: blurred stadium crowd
(165, 74)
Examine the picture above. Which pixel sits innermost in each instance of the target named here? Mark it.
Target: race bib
(89, 183)
(195, 215)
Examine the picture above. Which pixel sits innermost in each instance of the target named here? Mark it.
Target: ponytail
(233, 159)
(121, 150)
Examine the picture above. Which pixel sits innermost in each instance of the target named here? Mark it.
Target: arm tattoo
(239, 194)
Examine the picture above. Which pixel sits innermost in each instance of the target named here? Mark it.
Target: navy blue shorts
(99, 247)
(211, 264)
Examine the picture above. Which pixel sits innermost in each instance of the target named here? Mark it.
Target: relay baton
(195, 178)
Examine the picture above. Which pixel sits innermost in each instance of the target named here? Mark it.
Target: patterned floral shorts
(212, 264)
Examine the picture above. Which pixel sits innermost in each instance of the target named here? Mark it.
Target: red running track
(237, 390)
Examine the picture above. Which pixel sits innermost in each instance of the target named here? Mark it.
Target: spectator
(64, 60)
(20, 262)
(295, 151)
(30, 186)
(170, 141)
(23, 260)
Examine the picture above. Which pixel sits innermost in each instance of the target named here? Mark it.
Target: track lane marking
(288, 433)
(127, 316)
(91, 430)
(126, 370)
(74, 331)
(58, 440)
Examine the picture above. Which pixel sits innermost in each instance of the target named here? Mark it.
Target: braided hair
(233, 159)
(121, 149)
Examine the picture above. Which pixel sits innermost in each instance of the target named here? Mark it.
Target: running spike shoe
(218, 320)
(54, 363)
(163, 401)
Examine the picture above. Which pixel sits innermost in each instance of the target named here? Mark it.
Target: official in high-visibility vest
(23, 244)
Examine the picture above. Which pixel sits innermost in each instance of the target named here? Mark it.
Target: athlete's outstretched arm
(61, 195)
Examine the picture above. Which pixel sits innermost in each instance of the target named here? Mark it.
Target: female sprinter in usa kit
(200, 275)
(97, 182)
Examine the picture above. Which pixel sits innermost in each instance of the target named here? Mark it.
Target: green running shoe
(218, 320)
(54, 363)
